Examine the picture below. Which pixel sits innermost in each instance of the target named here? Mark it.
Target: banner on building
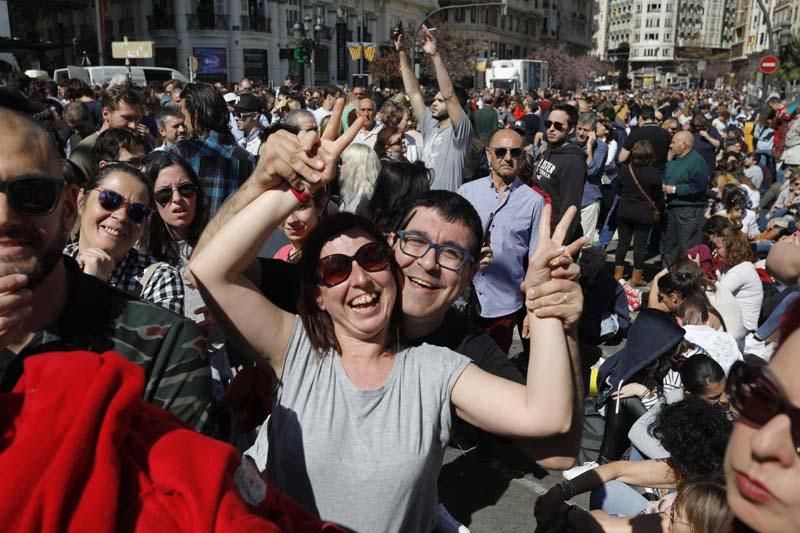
(355, 50)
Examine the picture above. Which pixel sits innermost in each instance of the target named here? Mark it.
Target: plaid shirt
(170, 349)
(221, 164)
(165, 287)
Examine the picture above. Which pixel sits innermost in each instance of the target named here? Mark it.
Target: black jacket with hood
(653, 334)
(561, 173)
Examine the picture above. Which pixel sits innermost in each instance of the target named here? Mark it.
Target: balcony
(207, 22)
(155, 23)
(259, 24)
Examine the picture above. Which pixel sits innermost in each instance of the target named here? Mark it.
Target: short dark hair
(570, 110)
(159, 243)
(647, 112)
(207, 108)
(317, 322)
(330, 90)
(398, 184)
(642, 154)
(698, 371)
(73, 174)
(125, 168)
(453, 208)
(110, 142)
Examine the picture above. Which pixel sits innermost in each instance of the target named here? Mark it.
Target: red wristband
(302, 196)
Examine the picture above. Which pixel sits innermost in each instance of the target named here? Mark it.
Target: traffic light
(300, 55)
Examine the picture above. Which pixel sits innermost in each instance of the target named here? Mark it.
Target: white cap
(230, 98)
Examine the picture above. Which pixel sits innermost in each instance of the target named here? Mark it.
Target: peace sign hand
(307, 161)
(550, 253)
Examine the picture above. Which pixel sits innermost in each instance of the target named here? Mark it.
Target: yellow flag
(355, 52)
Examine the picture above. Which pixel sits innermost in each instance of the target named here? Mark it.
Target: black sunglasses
(501, 152)
(335, 269)
(557, 125)
(111, 201)
(243, 114)
(33, 195)
(164, 194)
(759, 397)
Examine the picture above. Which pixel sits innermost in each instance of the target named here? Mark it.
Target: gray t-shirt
(444, 149)
(365, 459)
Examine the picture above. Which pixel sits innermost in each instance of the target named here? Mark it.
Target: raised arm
(454, 110)
(410, 82)
(220, 266)
(544, 406)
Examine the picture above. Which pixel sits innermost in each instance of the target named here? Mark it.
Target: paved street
(487, 497)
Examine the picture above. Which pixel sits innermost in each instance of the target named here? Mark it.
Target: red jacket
(80, 451)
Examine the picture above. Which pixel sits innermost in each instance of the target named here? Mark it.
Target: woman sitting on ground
(738, 274)
(695, 434)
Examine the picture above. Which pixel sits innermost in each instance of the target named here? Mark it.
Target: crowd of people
(227, 307)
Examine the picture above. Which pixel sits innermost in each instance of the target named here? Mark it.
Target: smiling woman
(361, 419)
(114, 208)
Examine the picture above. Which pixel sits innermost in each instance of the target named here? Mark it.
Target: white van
(100, 75)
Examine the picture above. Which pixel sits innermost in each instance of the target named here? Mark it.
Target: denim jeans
(618, 499)
(446, 523)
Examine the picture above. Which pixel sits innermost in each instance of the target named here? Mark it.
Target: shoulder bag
(656, 212)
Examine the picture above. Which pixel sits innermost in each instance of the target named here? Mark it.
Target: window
(473, 15)
(665, 52)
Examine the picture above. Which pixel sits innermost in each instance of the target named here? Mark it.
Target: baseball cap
(247, 103)
(230, 98)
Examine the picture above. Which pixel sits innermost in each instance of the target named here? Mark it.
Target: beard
(41, 262)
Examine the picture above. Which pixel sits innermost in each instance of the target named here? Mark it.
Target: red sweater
(81, 451)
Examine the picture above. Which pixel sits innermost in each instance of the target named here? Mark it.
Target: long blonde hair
(358, 176)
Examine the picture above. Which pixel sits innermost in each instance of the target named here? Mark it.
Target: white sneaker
(576, 471)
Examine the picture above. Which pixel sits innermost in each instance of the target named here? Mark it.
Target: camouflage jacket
(100, 318)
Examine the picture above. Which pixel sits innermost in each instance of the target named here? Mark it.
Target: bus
(517, 75)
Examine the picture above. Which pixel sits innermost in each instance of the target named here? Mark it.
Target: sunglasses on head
(335, 269)
(33, 195)
(164, 195)
(758, 397)
(111, 201)
(501, 152)
(557, 125)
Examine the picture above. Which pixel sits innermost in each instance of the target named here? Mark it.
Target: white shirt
(368, 137)
(720, 345)
(745, 285)
(319, 115)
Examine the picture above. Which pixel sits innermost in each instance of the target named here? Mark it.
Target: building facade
(661, 41)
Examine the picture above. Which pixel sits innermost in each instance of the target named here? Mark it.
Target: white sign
(132, 49)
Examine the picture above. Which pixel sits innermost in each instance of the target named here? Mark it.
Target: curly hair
(737, 249)
(695, 433)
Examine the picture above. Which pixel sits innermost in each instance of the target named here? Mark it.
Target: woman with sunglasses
(390, 144)
(114, 208)
(361, 420)
(180, 216)
(762, 464)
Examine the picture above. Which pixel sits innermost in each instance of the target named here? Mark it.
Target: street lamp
(784, 36)
(307, 37)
